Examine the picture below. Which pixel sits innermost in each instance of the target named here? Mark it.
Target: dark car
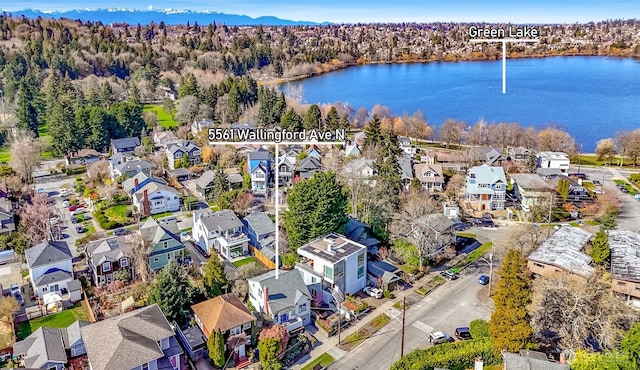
(74, 207)
(121, 231)
(449, 275)
(483, 280)
(81, 229)
(463, 333)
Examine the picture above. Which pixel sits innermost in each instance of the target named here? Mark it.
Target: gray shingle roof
(47, 252)
(154, 231)
(514, 361)
(53, 276)
(530, 181)
(563, 250)
(406, 170)
(127, 142)
(108, 249)
(625, 255)
(134, 164)
(181, 145)
(133, 339)
(205, 179)
(129, 184)
(42, 346)
(284, 291)
(71, 335)
(260, 223)
(220, 220)
(260, 155)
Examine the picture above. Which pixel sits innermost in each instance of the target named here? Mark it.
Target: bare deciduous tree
(99, 171)
(187, 109)
(140, 248)
(455, 185)
(556, 140)
(25, 155)
(528, 237)
(606, 149)
(450, 132)
(38, 217)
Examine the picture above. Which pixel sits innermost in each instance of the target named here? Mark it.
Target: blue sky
(351, 11)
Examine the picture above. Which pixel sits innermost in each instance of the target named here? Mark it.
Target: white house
(486, 188)
(154, 198)
(200, 125)
(50, 268)
(431, 176)
(360, 168)
(337, 260)
(557, 160)
(286, 300)
(406, 146)
(221, 230)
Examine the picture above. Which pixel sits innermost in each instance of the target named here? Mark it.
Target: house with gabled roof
(362, 233)
(519, 155)
(50, 267)
(431, 176)
(7, 220)
(307, 167)
(50, 348)
(486, 188)
(199, 125)
(84, 157)
(286, 167)
(406, 170)
(406, 146)
(180, 150)
(487, 155)
(562, 251)
(314, 151)
(132, 167)
(105, 257)
(153, 198)
(259, 162)
(286, 300)
(222, 231)
(204, 183)
(625, 262)
(530, 189)
(352, 150)
(226, 313)
(260, 229)
(163, 240)
(140, 339)
(133, 184)
(124, 145)
(161, 138)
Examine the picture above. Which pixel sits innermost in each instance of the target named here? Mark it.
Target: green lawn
(58, 320)
(466, 235)
(476, 254)
(628, 186)
(118, 214)
(165, 120)
(324, 360)
(368, 330)
(162, 215)
(244, 261)
(590, 159)
(5, 155)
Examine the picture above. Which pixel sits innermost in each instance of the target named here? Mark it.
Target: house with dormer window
(486, 188)
(430, 176)
(222, 231)
(259, 162)
(162, 239)
(181, 150)
(105, 257)
(50, 268)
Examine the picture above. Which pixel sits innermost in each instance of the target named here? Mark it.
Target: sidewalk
(331, 345)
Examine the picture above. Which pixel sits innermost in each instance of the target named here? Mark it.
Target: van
(6, 256)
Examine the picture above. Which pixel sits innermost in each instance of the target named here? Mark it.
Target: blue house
(314, 151)
(362, 233)
(259, 162)
(163, 238)
(137, 182)
(124, 145)
(260, 229)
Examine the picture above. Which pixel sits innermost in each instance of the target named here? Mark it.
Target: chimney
(146, 207)
(266, 301)
(563, 359)
(135, 183)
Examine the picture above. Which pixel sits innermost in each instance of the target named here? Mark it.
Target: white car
(65, 191)
(439, 337)
(78, 211)
(373, 292)
(66, 204)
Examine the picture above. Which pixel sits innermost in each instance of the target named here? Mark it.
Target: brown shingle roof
(222, 313)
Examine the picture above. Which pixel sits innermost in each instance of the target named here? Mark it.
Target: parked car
(483, 280)
(78, 211)
(15, 288)
(373, 292)
(449, 275)
(19, 298)
(121, 231)
(73, 207)
(439, 337)
(66, 204)
(596, 182)
(81, 229)
(463, 333)
(65, 191)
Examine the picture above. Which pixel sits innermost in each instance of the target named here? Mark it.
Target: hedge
(75, 170)
(104, 222)
(454, 356)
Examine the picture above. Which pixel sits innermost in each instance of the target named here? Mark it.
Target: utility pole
(404, 309)
(550, 208)
(493, 247)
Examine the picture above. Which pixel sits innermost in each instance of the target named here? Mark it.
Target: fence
(262, 258)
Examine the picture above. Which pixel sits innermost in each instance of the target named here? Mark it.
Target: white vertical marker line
(504, 67)
(277, 203)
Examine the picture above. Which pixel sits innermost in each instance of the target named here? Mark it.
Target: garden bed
(324, 360)
(431, 286)
(353, 340)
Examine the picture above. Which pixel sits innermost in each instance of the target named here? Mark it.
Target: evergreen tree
(316, 206)
(220, 183)
(188, 85)
(214, 277)
(601, 253)
(215, 345)
(631, 345)
(129, 117)
(373, 132)
(563, 188)
(61, 126)
(170, 292)
(313, 118)
(291, 121)
(267, 115)
(509, 326)
(332, 122)
(30, 106)
(269, 349)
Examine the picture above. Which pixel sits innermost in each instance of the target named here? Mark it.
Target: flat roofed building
(625, 262)
(562, 252)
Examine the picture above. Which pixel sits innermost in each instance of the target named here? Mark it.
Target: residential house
(107, 256)
(557, 160)
(530, 360)
(314, 151)
(132, 167)
(139, 180)
(448, 160)
(259, 162)
(124, 145)
(7, 221)
(50, 348)
(307, 168)
(530, 189)
(431, 176)
(163, 138)
(84, 157)
(286, 167)
(286, 300)
(352, 150)
(180, 174)
(359, 137)
(562, 251)
(519, 155)
(140, 339)
(242, 126)
(625, 262)
(154, 198)
(227, 314)
(335, 261)
(486, 188)
(50, 268)
(383, 275)
(169, 92)
(406, 170)
(260, 229)
(162, 239)
(577, 192)
(362, 233)
(221, 230)
(487, 155)
(406, 146)
(204, 183)
(185, 152)
(361, 168)
(199, 125)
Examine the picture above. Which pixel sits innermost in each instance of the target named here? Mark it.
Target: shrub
(388, 294)
(458, 355)
(74, 170)
(479, 329)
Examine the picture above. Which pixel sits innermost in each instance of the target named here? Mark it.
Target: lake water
(590, 97)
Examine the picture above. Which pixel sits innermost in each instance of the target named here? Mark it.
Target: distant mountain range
(168, 16)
